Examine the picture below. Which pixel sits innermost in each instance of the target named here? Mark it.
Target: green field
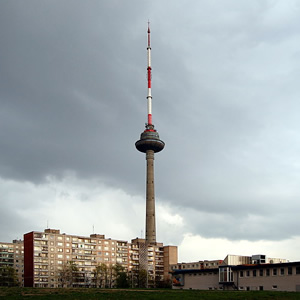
(72, 293)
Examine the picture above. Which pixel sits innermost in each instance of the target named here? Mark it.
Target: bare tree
(68, 276)
(8, 276)
(100, 275)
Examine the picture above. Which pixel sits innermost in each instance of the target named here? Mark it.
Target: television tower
(150, 143)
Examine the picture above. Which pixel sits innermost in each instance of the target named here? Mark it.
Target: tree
(122, 281)
(69, 274)
(165, 284)
(121, 276)
(8, 276)
(143, 278)
(100, 275)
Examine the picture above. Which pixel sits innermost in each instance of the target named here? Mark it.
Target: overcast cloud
(225, 101)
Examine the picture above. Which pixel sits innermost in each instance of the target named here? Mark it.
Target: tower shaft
(150, 199)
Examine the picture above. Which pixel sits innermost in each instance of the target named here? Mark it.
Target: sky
(225, 87)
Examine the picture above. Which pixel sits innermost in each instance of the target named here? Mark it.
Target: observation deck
(149, 140)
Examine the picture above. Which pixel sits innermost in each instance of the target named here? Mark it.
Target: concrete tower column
(150, 199)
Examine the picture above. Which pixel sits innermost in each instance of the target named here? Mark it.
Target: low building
(241, 273)
(202, 264)
(269, 276)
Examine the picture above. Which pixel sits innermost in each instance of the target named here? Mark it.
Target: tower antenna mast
(149, 77)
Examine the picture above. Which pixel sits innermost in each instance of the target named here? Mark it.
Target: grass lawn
(82, 293)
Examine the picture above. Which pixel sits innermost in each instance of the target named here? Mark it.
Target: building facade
(201, 264)
(50, 257)
(275, 276)
(12, 255)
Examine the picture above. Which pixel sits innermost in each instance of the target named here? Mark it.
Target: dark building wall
(28, 259)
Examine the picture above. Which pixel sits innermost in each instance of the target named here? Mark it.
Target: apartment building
(256, 272)
(49, 256)
(156, 259)
(12, 255)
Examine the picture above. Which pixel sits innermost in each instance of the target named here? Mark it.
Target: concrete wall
(200, 281)
(275, 282)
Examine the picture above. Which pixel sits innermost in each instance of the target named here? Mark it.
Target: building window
(241, 273)
(247, 273)
(267, 272)
(261, 272)
(225, 274)
(261, 288)
(297, 270)
(274, 272)
(254, 273)
(274, 287)
(281, 271)
(290, 270)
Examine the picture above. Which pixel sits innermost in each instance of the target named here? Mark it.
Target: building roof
(265, 266)
(183, 271)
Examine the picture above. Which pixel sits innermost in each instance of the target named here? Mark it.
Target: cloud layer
(225, 101)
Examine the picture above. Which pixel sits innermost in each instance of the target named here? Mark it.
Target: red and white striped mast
(149, 76)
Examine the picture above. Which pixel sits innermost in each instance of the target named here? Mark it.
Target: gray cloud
(225, 101)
